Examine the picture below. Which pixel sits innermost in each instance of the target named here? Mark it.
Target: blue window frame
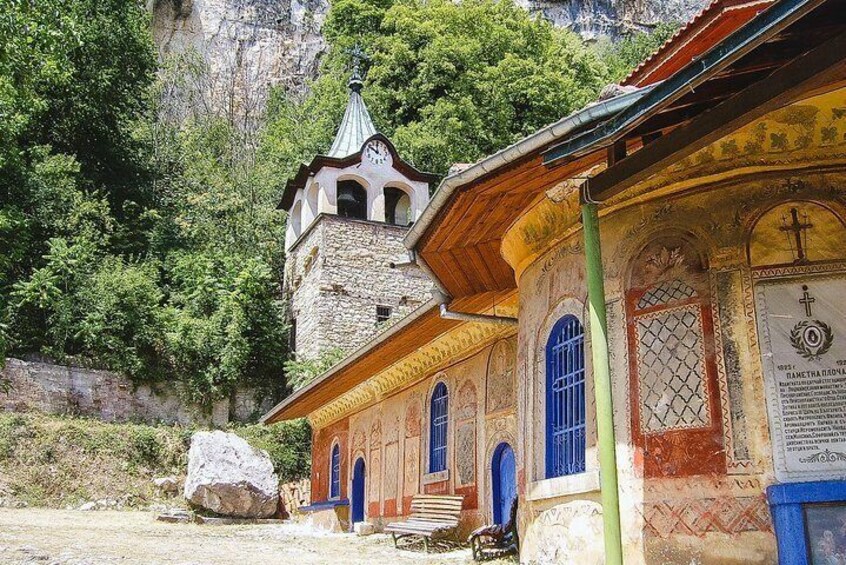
(438, 429)
(565, 398)
(335, 473)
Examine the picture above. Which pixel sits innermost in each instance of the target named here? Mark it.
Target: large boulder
(229, 477)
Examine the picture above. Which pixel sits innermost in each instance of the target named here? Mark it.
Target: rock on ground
(167, 484)
(229, 477)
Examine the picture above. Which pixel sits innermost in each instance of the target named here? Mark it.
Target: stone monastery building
(638, 327)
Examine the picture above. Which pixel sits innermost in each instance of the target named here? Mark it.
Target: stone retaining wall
(58, 389)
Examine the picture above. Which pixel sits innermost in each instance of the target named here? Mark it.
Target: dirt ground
(72, 537)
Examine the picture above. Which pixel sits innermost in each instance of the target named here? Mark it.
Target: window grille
(335, 480)
(565, 399)
(438, 429)
(383, 314)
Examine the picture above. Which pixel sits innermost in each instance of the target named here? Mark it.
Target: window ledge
(437, 477)
(564, 486)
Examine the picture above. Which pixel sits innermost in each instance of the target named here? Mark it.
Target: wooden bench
(431, 516)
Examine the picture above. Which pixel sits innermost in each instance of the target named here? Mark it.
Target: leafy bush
(300, 371)
(287, 443)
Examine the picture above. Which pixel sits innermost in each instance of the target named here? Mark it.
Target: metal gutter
(355, 356)
(735, 46)
(513, 152)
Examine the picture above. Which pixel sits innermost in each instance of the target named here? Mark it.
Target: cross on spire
(358, 55)
(796, 233)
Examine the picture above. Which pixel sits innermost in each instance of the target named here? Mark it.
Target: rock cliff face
(245, 45)
(593, 19)
(248, 45)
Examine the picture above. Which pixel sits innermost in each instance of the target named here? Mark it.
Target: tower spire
(356, 126)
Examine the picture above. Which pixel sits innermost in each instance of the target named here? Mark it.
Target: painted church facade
(719, 300)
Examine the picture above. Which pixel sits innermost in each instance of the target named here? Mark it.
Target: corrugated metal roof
(355, 129)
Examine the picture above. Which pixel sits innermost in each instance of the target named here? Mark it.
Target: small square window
(383, 314)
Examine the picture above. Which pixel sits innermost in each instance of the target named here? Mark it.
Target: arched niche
(312, 199)
(797, 233)
(295, 217)
(398, 206)
(674, 395)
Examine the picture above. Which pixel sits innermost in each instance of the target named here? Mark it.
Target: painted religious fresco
(675, 402)
(501, 387)
(825, 527)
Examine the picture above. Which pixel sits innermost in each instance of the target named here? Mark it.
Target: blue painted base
(786, 504)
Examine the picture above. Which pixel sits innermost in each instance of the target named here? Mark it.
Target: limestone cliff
(246, 45)
(593, 19)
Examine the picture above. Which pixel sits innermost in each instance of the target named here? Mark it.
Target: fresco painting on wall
(826, 531)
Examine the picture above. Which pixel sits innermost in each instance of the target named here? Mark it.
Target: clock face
(376, 152)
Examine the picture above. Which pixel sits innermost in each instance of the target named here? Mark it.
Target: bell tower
(347, 272)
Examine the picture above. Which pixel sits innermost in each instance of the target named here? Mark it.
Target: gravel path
(70, 537)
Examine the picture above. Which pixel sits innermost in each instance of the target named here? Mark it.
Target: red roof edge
(715, 22)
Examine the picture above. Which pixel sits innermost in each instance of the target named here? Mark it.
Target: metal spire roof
(356, 127)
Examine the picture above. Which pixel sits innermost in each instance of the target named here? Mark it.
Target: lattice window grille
(438, 429)
(665, 293)
(565, 399)
(672, 371)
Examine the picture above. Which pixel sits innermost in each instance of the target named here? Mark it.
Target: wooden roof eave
(348, 373)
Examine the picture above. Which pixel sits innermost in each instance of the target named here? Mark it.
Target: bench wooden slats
(429, 508)
(430, 514)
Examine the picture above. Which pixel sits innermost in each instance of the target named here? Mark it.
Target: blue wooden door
(358, 491)
(504, 482)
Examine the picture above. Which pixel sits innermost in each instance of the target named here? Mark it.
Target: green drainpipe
(602, 386)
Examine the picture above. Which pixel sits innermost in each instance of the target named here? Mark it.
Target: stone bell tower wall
(339, 272)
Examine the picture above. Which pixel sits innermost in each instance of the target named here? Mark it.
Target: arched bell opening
(352, 200)
(397, 206)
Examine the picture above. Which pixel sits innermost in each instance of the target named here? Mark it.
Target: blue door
(503, 471)
(358, 491)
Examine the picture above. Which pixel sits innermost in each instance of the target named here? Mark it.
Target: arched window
(352, 200)
(397, 207)
(335, 473)
(565, 398)
(438, 429)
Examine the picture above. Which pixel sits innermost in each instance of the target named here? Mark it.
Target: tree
(632, 50)
(448, 82)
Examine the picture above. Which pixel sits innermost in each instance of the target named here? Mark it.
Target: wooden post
(602, 385)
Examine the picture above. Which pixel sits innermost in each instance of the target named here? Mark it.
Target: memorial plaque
(802, 325)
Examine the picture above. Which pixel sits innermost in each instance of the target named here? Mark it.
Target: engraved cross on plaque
(796, 233)
(807, 300)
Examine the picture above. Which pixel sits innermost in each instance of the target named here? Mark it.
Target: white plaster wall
(320, 193)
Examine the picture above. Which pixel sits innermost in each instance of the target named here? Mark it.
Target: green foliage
(287, 443)
(138, 229)
(628, 53)
(227, 325)
(300, 371)
(451, 82)
(129, 240)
